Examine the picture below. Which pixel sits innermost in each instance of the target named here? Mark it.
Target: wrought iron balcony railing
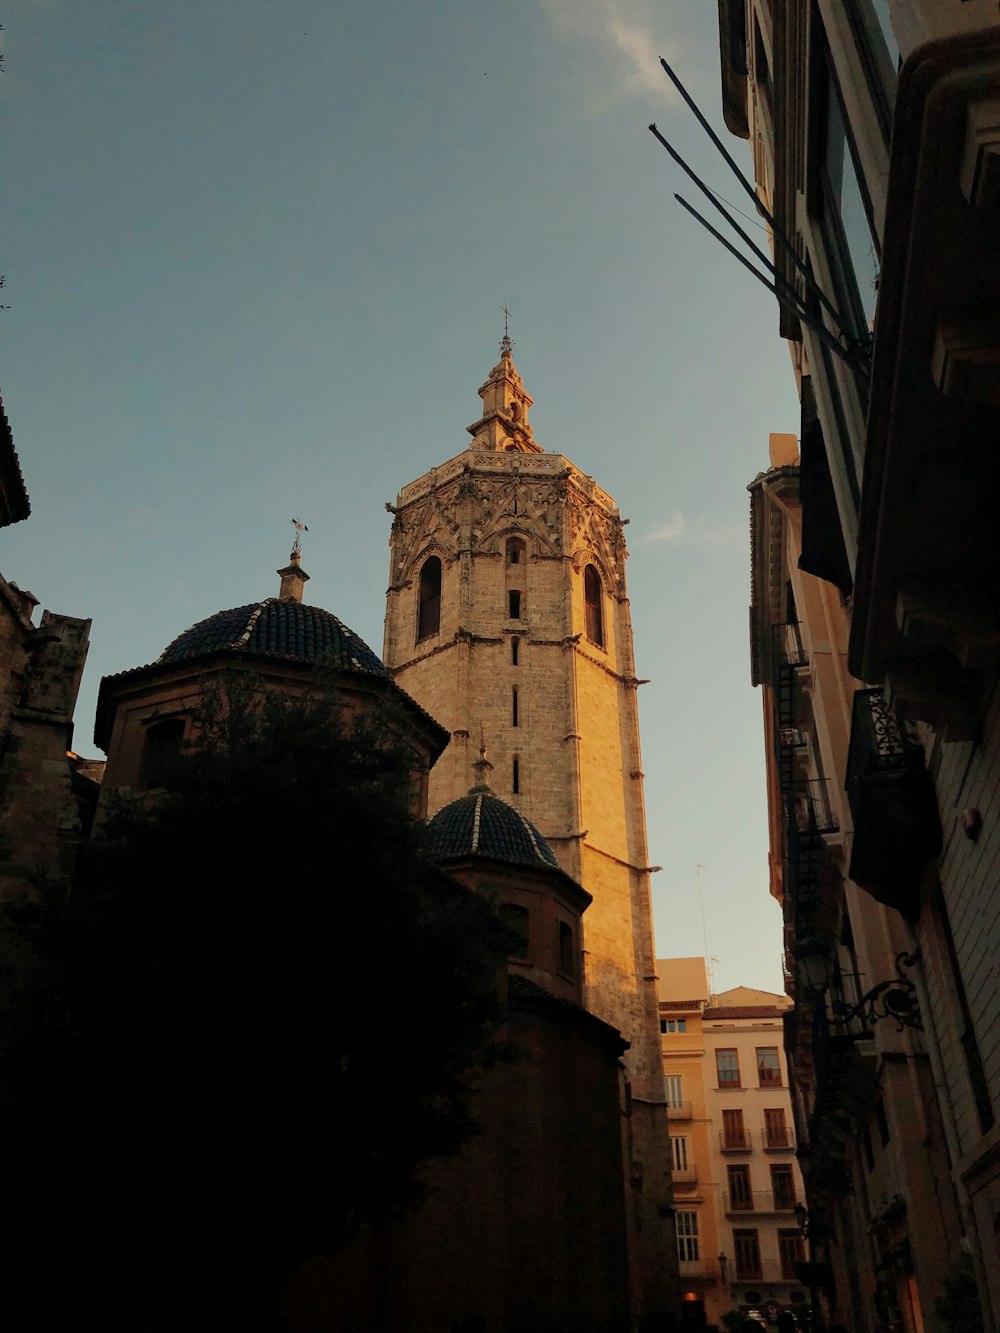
(897, 826)
(735, 1140)
(786, 646)
(777, 1140)
(759, 1201)
(811, 808)
(877, 744)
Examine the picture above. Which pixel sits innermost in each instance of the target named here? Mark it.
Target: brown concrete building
(527, 1227)
(875, 630)
(508, 616)
(45, 806)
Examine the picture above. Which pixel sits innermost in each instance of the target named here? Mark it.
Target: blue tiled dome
(480, 824)
(275, 628)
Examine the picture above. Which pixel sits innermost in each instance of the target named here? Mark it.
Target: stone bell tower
(508, 618)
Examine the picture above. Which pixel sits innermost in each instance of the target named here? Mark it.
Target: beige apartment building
(874, 128)
(736, 1179)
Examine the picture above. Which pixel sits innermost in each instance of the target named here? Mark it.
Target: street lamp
(895, 998)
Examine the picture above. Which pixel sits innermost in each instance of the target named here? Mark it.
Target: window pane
(792, 1253)
(740, 1193)
(727, 1067)
(679, 1152)
(733, 1133)
(672, 1089)
(747, 1248)
(847, 203)
(687, 1236)
(783, 1185)
(768, 1067)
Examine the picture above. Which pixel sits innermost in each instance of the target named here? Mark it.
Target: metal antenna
(822, 332)
(300, 528)
(757, 201)
(764, 258)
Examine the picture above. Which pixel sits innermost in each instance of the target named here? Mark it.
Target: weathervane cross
(300, 528)
(505, 343)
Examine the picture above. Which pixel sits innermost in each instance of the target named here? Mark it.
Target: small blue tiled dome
(480, 824)
(276, 628)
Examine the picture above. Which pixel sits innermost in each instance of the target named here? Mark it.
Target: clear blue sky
(256, 254)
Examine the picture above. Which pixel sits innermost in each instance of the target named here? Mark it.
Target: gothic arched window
(593, 597)
(429, 616)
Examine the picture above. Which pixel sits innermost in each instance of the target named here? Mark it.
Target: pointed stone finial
(482, 767)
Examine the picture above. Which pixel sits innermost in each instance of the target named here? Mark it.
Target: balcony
(777, 1140)
(809, 818)
(758, 1201)
(766, 1272)
(896, 825)
(684, 1175)
(786, 646)
(735, 1140)
(682, 1111)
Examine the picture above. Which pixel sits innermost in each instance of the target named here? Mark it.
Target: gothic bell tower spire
(507, 614)
(504, 427)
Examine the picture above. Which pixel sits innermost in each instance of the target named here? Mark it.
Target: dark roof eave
(478, 859)
(219, 657)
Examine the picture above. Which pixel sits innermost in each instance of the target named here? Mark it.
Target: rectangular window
(740, 1193)
(513, 707)
(783, 1185)
(679, 1152)
(673, 1025)
(768, 1067)
(733, 1133)
(727, 1066)
(791, 1250)
(514, 604)
(775, 1129)
(747, 1247)
(515, 777)
(514, 646)
(687, 1236)
(672, 1090)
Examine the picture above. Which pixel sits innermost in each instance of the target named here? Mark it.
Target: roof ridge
(254, 617)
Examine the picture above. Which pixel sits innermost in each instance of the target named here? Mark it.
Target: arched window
(429, 618)
(593, 595)
(160, 750)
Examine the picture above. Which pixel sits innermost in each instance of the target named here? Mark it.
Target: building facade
(873, 129)
(45, 804)
(508, 618)
(737, 1183)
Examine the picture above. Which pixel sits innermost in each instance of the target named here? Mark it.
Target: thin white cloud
(699, 532)
(627, 26)
(668, 531)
